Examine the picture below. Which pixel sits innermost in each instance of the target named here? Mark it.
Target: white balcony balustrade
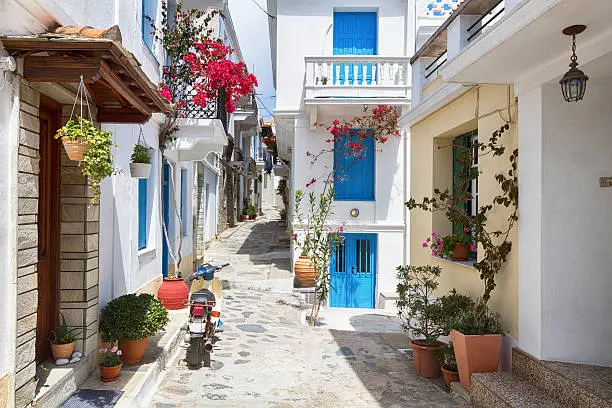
(334, 78)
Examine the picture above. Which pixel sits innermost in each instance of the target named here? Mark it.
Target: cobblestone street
(266, 356)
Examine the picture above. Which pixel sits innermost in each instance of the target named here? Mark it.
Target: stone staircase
(538, 384)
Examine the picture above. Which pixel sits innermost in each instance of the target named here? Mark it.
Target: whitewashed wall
(306, 29)
(566, 225)
(211, 210)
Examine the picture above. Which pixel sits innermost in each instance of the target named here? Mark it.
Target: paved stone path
(266, 357)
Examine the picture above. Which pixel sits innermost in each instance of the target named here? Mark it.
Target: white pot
(140, 170)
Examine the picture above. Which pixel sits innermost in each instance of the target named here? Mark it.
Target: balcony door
(355, 33)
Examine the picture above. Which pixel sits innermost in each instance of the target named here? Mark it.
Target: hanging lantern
(573, 83)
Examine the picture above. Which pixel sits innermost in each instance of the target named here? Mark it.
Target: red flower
(165, 93)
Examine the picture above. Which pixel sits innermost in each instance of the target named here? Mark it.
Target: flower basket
(75, 150)
(108, 374)
(140, 170)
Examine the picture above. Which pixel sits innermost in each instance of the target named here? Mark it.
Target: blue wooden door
(166, 215)
(353, 272)
(354, 34)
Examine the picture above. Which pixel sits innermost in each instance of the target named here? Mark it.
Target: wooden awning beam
(120, 86)
(60, 69)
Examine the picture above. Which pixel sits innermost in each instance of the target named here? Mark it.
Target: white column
(418, 78)
(457, 34)
(530, 136)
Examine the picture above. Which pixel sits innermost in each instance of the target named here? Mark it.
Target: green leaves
(141, 154)
(97, 163)
(132, 317)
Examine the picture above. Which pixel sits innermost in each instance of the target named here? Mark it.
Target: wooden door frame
(49, 110)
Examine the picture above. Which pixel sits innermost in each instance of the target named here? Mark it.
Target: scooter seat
(204, 296)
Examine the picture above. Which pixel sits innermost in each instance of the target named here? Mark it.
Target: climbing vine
(495, 243)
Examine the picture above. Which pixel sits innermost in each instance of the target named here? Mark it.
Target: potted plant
(446, 358)
(90, 146)
(62, 342)
(422, 315)
(305, 273)
(477, 341)
(109, 361)
(251, 211)
(132, 319)
(140, 167)
(456, 247)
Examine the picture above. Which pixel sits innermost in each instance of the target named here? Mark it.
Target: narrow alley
(266, 356)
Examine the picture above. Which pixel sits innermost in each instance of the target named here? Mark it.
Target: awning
(120, 89)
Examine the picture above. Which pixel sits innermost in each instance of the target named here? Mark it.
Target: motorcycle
(205, 301)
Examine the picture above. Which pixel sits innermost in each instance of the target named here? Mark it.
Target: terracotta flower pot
(244, 217)
(140, 170)
(62, 350)
(461, 252)
(110, 373)
(305, 272)
(476, 354)
(173, 293)
(424, 362)
(74, 150)
(450, 376)
(133, 350)
(252, 217)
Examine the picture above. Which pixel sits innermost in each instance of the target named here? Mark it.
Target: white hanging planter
(140, 170)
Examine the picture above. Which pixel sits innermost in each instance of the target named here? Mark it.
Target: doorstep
(138, 382)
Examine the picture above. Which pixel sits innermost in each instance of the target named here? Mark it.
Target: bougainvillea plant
(197, 62)
(378, 123)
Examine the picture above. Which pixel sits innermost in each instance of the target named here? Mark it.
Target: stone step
(576, 385)
(506, 390)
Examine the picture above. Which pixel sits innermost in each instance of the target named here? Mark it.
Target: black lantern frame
(573, 84)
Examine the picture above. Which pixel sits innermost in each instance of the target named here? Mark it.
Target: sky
(251, 24)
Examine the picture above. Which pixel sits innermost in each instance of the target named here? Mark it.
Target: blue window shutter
(183, 199)
(142, 213)
(355, 34)
(149, 8)
(354, 177)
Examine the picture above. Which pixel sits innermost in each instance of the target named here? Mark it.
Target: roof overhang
(197, 138)
(501, 57)
(121, 91)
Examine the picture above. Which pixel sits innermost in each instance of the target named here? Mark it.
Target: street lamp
(573, 83)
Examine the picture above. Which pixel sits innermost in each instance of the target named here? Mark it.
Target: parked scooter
(205, 301)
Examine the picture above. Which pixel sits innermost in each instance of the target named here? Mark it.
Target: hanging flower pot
(140, 170)
(173, 293)
(140, 167)
(75, 150)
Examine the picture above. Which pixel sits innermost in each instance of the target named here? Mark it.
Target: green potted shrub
(446, 357)
(422, 315)
(477, 339)
(140, 166)
(62, 342)
(91, 147)
(132, 319)
(251, 211)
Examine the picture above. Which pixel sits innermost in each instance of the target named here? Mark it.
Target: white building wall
(576, 225)
(212, 210)
(306, 29)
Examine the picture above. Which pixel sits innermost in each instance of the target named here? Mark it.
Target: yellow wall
(431, 166)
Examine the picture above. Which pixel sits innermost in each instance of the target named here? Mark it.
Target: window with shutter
(354, 172)
(142, 213)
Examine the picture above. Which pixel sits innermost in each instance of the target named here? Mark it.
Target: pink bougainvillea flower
(472, 248)
(165, 93)
(311, 182)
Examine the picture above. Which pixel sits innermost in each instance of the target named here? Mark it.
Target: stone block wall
(27, 245)
(78, 249)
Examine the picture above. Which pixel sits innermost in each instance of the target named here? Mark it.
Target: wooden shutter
(142, 213)
(354, 177)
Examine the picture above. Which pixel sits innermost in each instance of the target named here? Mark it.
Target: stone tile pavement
(267, 357)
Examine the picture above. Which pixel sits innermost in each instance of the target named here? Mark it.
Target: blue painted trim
(166, 215)
(142, 213)
(355, 178)
(183, 198)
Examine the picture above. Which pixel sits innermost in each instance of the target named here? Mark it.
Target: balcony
(202, 129)
(342, 79)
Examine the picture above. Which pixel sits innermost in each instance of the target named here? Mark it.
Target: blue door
(353, 272)
(354, 34)
(166, 214)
